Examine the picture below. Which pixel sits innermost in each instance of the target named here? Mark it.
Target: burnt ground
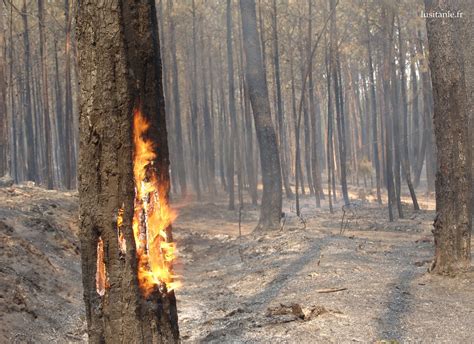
(306, 283)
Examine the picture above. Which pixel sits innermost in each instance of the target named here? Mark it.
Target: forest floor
(306, 283)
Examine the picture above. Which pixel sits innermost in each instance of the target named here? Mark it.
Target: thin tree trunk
(49, 162)
(338, 95)
(31, 168)
(69, 132)
(232, 111)
(194, 112)
(387, 20)
(373, 98)
(4, 128)
(279, 103)
(405, 155)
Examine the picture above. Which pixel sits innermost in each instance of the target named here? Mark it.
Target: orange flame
(152, 215)
(101, 282)
(121, 237)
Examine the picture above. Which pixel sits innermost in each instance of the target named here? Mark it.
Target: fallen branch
(330, 290)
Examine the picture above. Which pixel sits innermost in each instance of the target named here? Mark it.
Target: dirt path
(266, 288)
(259, 288)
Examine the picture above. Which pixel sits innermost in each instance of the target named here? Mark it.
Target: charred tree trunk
(453, 223)
(387, 20)
(120, 74)
(232, 111)
(69, 132)
(329, 142)
(194, 113)
(31, 168)
(270, 211)
(405, 151)
(60, 144)
(4, 128)
(338, 95)
(313, 142)
(48, 145)
(279, 104)
(373, 107)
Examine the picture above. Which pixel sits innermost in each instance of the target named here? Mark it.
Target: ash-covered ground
(306, 283)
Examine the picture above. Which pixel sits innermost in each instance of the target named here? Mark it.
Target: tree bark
(232, 111)
(279, 104)
(338, 95)
(270, 211)
(4, 128)
(48, 145)
(31, 168)
(453, 223)
(373, 107)
(120, 73)
(405, 152)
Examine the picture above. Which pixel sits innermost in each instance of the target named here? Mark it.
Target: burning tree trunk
(271, 198)
(453, 224)
(123, 176)
(4, 144)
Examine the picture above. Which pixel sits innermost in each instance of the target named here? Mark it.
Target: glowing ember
(152, 215)
(101, 282)
(121, 238)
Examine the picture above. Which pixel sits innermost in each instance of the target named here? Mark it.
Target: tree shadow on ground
(258, 302)
(397, 306)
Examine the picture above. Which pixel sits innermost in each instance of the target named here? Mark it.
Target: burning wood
(101, 274)
(152, 216)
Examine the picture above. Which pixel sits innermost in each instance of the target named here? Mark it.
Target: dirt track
(259, 288)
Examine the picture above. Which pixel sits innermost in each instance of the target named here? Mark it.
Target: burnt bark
(30, 163)
(4, 134)
(453, 223)
(270, 211)
(405, 152)
(279, 103)
(48, 145)
(373, 108)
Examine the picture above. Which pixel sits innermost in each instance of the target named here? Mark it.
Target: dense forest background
(351, 96)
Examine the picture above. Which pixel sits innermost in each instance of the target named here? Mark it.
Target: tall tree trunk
(178, 131)
(14, 116)
(31, 168)
(279, 103)
(468, 48)
(49, 161)
(270, 211)
(330, 121)
(69, 132)
(405, 152)
(313, 142)
(373, 107)
(338, 95)
(453, 223)
(415, 131)
(395, 120)
(430, 154)
(194, 112)
(232, 111)
(121, 90)
(387, 20)
(60, 144)
(4, 128)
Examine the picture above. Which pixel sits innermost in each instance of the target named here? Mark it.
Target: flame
(101, 281)
(152, 215)
(121, 238)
